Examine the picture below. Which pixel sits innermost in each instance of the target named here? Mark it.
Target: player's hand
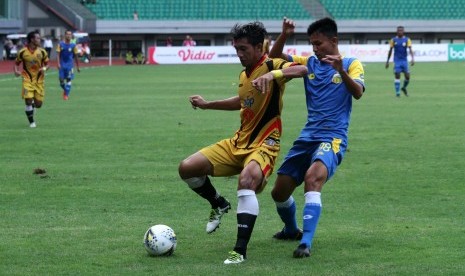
(288, 27)
(387, 65)
(197, 101)
(335, 61)
(412, 62)
(78, 69)
(263, 83)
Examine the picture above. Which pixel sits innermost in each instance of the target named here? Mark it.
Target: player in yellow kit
(252, 151)
(34, 60)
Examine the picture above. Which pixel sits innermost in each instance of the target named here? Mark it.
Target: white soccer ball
(160, 240)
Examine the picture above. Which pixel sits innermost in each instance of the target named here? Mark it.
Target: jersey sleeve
(298, 59)
(409, 43)
(279, 64)
(75, 50)
(356, 72)
(391, 43)
(58, 48)
(19, 57)
(45, 57)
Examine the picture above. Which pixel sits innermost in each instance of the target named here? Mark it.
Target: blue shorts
(401, 66)
(303, 154)
(66, 73)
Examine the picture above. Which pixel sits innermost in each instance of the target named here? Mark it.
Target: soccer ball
(160, 240)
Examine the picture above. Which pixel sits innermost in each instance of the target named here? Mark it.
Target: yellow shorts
(33, 91)
(228, 160)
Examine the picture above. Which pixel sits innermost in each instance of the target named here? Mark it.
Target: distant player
(35, 61)
(400, 43)
(67, 52)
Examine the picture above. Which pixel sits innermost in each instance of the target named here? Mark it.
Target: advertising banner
(456, 52)
(365, 53)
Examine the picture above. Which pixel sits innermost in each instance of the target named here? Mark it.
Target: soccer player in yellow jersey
(34, 60)
(252, 151)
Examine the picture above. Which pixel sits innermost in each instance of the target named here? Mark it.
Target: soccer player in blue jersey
(399, 44)
(67, 54)
(251, 152)
(331, 83)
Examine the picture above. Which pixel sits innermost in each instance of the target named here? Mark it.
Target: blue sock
(67, 88)
(286, 211)
(311, 215)
(397, 86)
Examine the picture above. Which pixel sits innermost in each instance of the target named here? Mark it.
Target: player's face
(35, 41)
(68, 36)
(323, 45)
(400, 32)
(248, 54)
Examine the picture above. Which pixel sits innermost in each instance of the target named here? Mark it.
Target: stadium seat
(200, 10)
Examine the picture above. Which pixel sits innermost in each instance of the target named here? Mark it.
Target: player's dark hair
(255, 32)
(31, 35)
(325, 26)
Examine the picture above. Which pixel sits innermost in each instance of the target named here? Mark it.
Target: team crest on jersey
(337, 78)
(248, 102)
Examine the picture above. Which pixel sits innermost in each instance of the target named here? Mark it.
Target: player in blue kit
(400, 43)
(67, 52)
(331, 83)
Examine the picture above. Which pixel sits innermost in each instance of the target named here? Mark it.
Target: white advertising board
(227, 54)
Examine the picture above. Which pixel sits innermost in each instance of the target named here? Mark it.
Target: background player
(330, 85)
(66, 53)
(35, 61)
(252, 151)
(400, 43)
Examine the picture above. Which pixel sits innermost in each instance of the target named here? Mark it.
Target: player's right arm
(233, 103)
(17, 63)
(391, 46)
(277, 49)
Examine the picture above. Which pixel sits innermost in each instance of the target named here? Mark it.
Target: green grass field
(394, 207)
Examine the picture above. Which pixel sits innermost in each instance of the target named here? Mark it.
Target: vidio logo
(457, 52)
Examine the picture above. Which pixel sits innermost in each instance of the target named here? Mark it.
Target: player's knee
(277, 196)
(191, 167)
(184, 168)
(250, 182)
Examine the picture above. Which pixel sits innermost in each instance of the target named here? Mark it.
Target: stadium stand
(198, 10)
(395, 9)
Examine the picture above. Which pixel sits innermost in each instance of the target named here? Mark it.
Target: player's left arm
(409, 45)
(353, 78)
(45, 60)
(76, 58)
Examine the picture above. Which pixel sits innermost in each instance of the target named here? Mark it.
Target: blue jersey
(329, 102)
(67, 52)
(400, 45)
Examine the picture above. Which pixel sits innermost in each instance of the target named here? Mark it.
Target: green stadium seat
(200, 10)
